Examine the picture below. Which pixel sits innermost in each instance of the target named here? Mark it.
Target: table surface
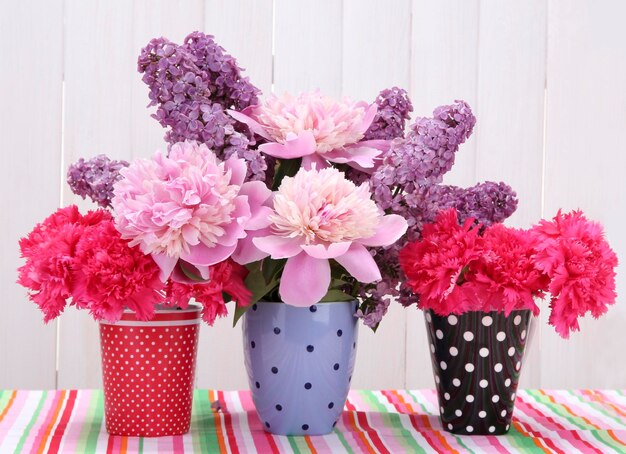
(393, 421)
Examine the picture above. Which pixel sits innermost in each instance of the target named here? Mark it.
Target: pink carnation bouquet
(455, 268)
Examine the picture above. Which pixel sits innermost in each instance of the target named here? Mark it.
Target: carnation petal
(305, 280)
(390, 230)
(202, 255)
(327, 251)
(360, 264)
(278, 247)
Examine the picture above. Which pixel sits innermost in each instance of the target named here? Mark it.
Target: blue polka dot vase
(477, 360)
(300, 363)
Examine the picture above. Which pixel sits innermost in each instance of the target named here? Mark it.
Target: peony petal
(360, 264)
(252, 124)
(235, 230)
(370, 113)
(166, 264)
(390, 230)
(363, 156)
(314, 161)
(301, 145)
(321, 251)
(179, 276)
(238, 168)
(260, 219)
(305, 280)
(278, 247)
(258, 193)
(202, 255)
(246, 251)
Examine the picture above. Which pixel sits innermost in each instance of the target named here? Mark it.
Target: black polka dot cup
(477, 359)
(148, 372)
(299, 363)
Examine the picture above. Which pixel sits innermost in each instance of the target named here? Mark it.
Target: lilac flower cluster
(394, 107)
(192, 85)
(95, 178)
(487, 202)
(408, 183)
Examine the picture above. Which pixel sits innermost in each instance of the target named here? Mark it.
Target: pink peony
(437, 265)
(319, 215)
(49, 251)
(225, 277)
(110, 276)
(315, 128)
(581, 265)
(188, 206)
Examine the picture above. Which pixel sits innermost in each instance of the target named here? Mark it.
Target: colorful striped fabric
(373, 421)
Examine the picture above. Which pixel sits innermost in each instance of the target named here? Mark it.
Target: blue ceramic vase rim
(306, 307)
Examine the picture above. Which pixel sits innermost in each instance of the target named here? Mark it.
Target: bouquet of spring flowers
(460, 265)
(298, 199)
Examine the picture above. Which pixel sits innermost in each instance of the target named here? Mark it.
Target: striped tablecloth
(373, 421)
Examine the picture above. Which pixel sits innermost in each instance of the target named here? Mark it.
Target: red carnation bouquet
(83, 259)
(455, 268)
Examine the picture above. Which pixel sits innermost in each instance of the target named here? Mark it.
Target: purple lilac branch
(95, 178)
(192, 85)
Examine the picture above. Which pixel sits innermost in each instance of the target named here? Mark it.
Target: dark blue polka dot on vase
(279, 407)
(305, 427)
(267, 424)
(257, 384)
(274, 370)
(331, 405)
(339, 333)
(313, 308)
(335, 423)
(307, 385)
(254, 307)
(310, 348)
(336, 366)
(252, 344)
(277, 330)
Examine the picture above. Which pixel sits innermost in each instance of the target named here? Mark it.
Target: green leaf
(337, 295)
(271, 268)
(190, 274)
(286, 168)
(255, 282)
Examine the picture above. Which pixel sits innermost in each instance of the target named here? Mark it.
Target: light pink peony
(188, 206)
(315, 128)
(319, 215)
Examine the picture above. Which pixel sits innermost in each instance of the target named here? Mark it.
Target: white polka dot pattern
(148, 376)
(477, 359)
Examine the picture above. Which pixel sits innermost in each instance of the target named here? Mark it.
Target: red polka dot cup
(148, 372)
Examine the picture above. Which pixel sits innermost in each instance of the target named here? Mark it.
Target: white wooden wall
(547, 80)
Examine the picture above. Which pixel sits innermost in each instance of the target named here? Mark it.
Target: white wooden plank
(444, 67)
(244, 29)
(444, 46)
(585, 162)
(307, 46)
(133, 132)
(31, 46)
(372, 62)
(172, 19)
(510, 111)
(97, 67)
(220, 351)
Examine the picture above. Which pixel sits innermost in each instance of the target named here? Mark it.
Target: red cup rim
(162, 316)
